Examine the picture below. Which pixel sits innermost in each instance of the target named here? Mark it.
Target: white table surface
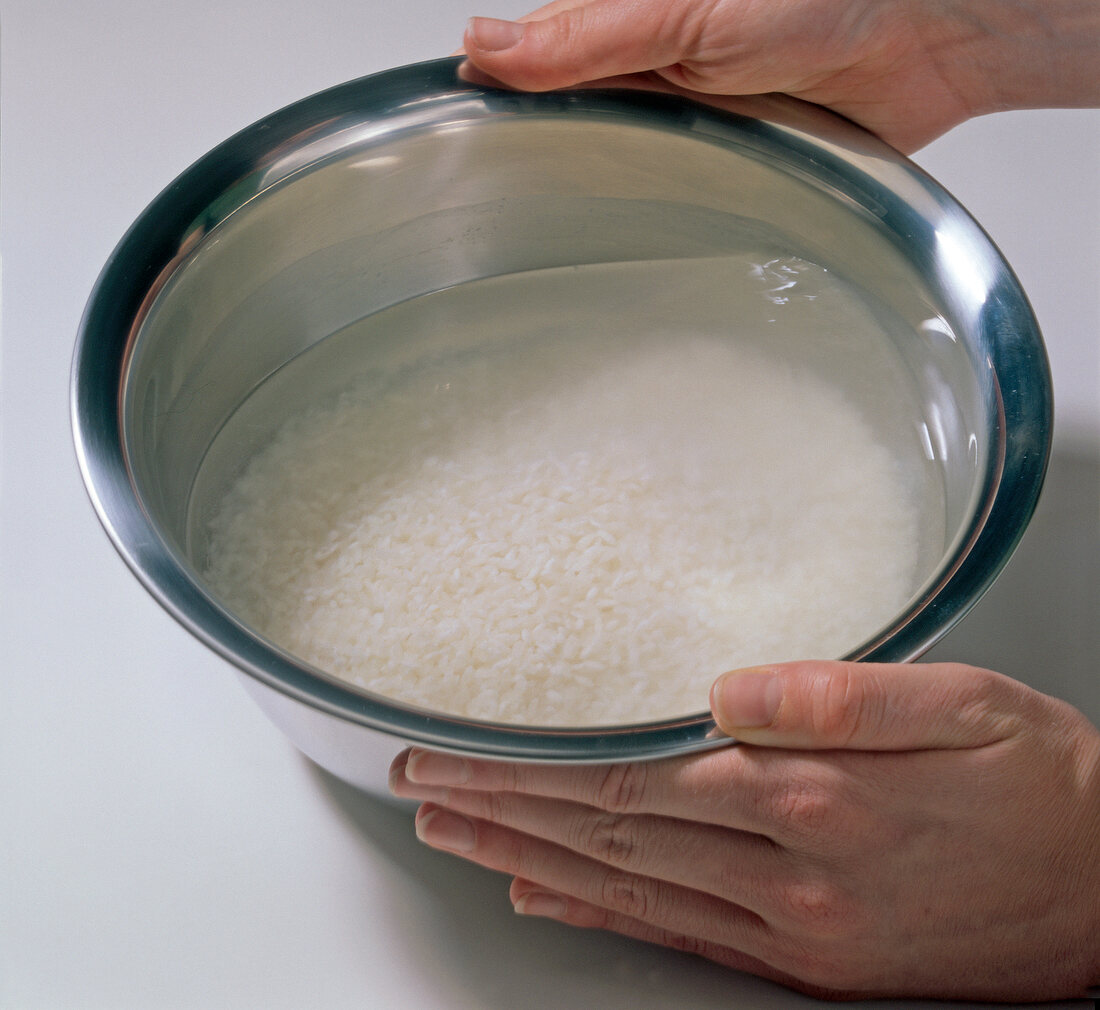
(161, 845)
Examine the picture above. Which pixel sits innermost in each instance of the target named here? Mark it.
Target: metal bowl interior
(411, 182)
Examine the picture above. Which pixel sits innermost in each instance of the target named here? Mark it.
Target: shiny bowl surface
(412, 181)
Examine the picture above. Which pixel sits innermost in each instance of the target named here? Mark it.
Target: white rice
(581, 543)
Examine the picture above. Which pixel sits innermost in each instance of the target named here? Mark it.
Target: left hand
(922, 830)
(908, 70)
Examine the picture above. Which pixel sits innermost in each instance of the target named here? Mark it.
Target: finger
(870, 706)
(800, 884)
(791, 797)
(632, 787)
(558, 870)
(643, 81)
(746, 869)
(567, 44)
(532, 899)
(700, 787)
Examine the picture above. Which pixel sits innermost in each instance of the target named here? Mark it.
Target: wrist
(1021, 54)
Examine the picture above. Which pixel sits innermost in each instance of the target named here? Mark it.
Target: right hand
(925, 830)
(907, 70)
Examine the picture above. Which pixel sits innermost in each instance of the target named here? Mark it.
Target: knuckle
(689, 945)
(513, 779)
(626, 894)
(986, 701)
(610, 838)
(558, 47)
(692, 26)
(842, 705)
(820, 910)
(621, 788)
(829, 939)
(492, 806)
(804, 807)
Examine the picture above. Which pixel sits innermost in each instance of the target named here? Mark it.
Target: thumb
(560, 46)
(870, 706)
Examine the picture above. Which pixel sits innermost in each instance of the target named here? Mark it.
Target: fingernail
(401, 787)
(549, 906)
(397, 768)
(427, 768)
(445, 830)
(491, 35)
(746, 700)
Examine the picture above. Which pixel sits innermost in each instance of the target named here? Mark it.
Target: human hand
(922, 830)
(907, 70)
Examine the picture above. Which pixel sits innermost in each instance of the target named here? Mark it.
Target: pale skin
(926, 830)
(910, 830)
(908, 70)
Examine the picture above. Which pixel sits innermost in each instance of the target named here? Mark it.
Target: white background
(161, 845)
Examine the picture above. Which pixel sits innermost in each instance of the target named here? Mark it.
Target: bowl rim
(843, 157)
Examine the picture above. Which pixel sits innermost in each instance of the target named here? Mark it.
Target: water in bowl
(574, 496)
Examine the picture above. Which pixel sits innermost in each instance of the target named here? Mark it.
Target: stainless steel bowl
(412, 181)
